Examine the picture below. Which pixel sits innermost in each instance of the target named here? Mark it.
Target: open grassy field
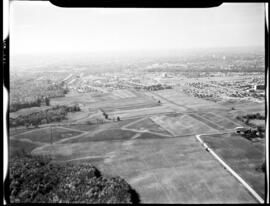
(188, 102)
(105, 126)
(123, 93)
(147, 124)
(182, 125)
(117, 99)
(250, 107)
(76, 116)
(220, 120)
(162, 170)
(140, 112)
(153, 146)
(17, 147)
(82, 98)
(242, 155)
(110, 134)
(124, 104)
(78, 151)
(44, 134)
(258, 122)
(18, 130)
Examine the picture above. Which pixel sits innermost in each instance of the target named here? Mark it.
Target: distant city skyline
(42, 28)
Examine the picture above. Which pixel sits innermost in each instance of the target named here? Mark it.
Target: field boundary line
(227, 167)
(71, 138)
(147, 131)
(207, 120)
(230, 120)
(163, 127)
(75, 130)
(134, 122)
(26, 132)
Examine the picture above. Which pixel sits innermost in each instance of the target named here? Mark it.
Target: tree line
(246, 118)
(35, 103)
(54, 114)
(37, 93)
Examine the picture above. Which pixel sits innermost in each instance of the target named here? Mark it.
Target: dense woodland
(36, 180)
(27, 104)
(29, 92)
(53, 114)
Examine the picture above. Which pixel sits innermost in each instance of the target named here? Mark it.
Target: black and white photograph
(137, 105)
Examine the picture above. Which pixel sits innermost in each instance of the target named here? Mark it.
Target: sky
(42, 28)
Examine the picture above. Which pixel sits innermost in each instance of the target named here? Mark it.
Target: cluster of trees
(27, 104)
(26, 93)
(254, 133)
(155, 87)
(257, 131)
(35, 179)
(246, 118)
(254, 116)
(54, 114)
(61, 88)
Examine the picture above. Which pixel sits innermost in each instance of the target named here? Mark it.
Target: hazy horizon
(40, 28)
(127, 58)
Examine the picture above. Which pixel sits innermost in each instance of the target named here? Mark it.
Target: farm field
(43, 134)
(182, 124)
(153, 147)
(93, 127)
(18, 147)
(19, 130)
(110, 134)
(77, 116)
(242, 155)
(188, 102)
(221, 120)
(156, 172)
(140, 112)
(130, 103)
(250, 107)
(117, 99)
(147, 124)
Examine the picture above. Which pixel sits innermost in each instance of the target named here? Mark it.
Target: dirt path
(69, 138)
(27, 132)
(145, 130)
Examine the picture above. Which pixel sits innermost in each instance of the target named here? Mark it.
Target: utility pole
(51, 134)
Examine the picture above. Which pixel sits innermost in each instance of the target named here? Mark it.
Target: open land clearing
(153, 148)
(108, 101)
(177, 98)
(44, 134)
(242, 155)
(156, 172)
